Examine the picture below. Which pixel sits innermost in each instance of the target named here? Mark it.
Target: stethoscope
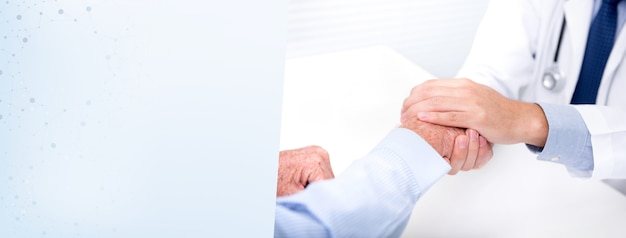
(553, 78)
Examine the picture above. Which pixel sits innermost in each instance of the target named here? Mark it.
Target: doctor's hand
(464, 103)
(300, 167)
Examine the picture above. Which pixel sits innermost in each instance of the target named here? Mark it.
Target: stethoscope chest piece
(553, 79)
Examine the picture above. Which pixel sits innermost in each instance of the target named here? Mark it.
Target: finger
(437, 104)
(418, 93)
(319, 167)
(326, 168)
(451, 82)
(463, 89)
(320, 174)
(288, 183)
(485, 153)
(459, 153)
(426, 91)
(442, 104)
(472, 150)
(435, 87)
(451, 119)
(448, 82)
(453, 116)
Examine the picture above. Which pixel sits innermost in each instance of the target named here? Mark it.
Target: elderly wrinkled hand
(299, 167)
(471, 151)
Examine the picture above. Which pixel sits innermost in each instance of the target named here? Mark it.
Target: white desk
(347, 101)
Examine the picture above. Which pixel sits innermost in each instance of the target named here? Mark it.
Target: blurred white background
(437, 35)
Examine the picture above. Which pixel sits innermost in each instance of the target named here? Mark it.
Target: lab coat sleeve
(607, 127)
(502, 53)
(373, 197)
(568, 142)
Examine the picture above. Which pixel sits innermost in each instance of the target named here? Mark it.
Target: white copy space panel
(128, 118)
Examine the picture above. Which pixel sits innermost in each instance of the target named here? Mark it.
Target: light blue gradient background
(140, 118)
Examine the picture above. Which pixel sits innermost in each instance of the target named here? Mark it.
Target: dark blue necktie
(599, 44)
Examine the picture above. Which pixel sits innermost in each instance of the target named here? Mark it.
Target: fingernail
(422, 116)
(473, 135)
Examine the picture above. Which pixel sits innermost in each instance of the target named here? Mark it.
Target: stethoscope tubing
(558, 44)
(553, 79)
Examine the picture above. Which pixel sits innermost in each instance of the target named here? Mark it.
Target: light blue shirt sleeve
(568, 142)
(373, 197)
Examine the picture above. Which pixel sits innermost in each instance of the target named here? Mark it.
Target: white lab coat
(502, 57)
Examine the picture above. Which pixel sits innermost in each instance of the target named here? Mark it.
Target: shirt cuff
(568, 142)
(425, 163)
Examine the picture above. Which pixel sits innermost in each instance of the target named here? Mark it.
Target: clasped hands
(439, 111)
(492, 117)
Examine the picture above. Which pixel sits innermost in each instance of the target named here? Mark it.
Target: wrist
(418, 127)
(533, 125)
(441, 138)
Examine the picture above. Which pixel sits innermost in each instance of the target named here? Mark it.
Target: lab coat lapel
(614, 62)
(578, 15)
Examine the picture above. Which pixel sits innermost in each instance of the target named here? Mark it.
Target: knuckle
(317, 158)
(323, 154)
(434, 101)
(453, 116)
(481, 116)
(477, 102)
(317, 149)
(406, 102)
(420, 91)
(467, 92)
(415, 90)
(428, 85)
